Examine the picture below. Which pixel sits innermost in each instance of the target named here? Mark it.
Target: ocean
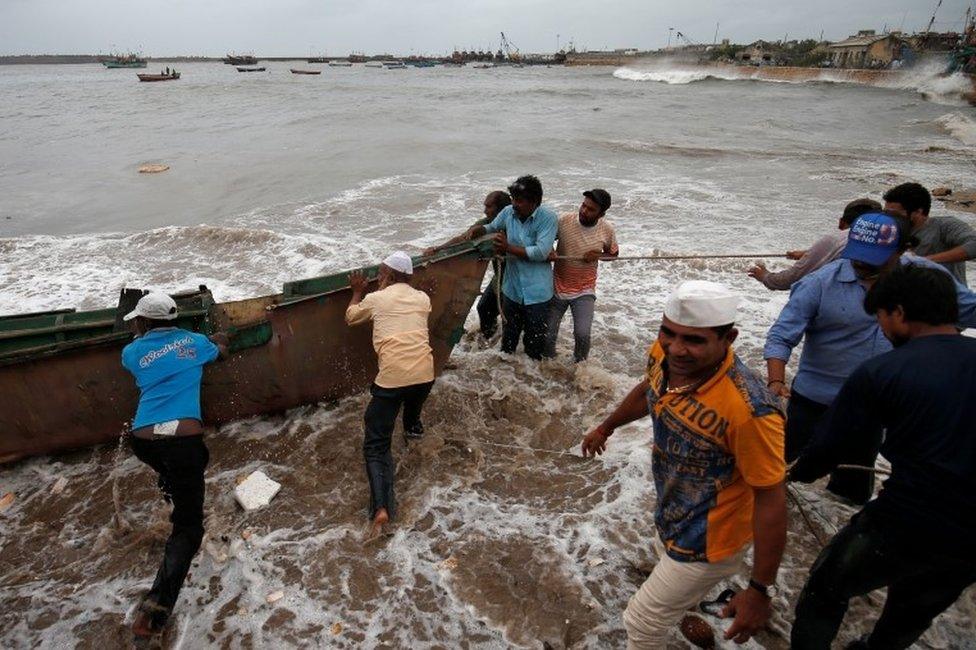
(275, 177)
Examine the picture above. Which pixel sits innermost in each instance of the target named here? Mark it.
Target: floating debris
(256, 491)
(597, 561)
(152, 169)
(6, 501)
(59, 485)
(698, 632)
(450, 563)
(336, 629)
(275, 596)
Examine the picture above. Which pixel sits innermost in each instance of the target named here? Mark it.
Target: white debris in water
(275, 596)
(59, 485)
(256, 491)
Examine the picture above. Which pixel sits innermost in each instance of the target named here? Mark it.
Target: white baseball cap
(699, 303)
(155, 305)
(399, 261)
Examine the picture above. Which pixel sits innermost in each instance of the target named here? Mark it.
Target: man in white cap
(718, 468)
(401, 339)
(167, 434)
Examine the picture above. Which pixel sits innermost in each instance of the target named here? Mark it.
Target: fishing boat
(173, 76)
(241, 69)
(394, 65)
(340, 64)
(64, 388)
(125, 61)
(374, 64)
(296, 71)
(246, 59)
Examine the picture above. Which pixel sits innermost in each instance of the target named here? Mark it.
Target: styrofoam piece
(256, 491)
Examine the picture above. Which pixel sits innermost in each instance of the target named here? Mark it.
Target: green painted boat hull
(61, 374)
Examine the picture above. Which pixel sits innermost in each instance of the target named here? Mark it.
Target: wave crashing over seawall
(927, 80)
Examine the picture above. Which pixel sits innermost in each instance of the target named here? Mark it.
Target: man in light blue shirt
(826, 311)
(524, 232)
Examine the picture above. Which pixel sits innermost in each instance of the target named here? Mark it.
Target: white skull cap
(155, 305)
(699, 303)
(399, 261)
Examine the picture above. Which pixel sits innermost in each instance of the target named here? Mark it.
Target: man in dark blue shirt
(916, 537)
(167, 434)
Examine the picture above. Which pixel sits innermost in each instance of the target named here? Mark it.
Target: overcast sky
(337, 27)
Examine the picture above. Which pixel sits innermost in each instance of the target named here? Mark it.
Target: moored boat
(251, 69)
(296, 71)
(245, 59)
(125, 61)
(340, 64)
(173, 76)
(64, 387)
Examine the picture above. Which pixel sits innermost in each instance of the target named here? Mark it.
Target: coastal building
(757, 53)
(867, 49)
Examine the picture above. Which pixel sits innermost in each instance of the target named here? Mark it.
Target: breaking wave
(928, 80)
(960, 127)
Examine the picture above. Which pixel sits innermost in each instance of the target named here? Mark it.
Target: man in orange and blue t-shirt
(586, 236)
(717, 463)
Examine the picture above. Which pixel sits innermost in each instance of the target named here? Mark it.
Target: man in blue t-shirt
(167, 434)
(916, 537)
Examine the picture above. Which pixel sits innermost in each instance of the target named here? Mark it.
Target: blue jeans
(582, 308)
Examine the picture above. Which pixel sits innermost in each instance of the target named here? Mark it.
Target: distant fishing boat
(317, 59)
(246, 59)
(296, 71)
(374, 64)
(173, 76)
(125, 61)
(251, 69)
(394, 65)
(483, 66)
(64, 387)
(340, 64)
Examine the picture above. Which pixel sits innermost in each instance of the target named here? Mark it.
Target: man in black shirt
(916, 538)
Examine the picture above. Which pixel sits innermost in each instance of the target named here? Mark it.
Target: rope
(791, 493)
(519, 447)
(496, 262)
(864, 468)
(623, 258)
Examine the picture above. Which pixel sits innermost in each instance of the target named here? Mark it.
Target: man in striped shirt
(586, 236)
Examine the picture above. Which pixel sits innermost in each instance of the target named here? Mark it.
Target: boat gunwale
(52, 349)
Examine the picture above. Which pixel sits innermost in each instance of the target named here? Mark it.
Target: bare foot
(380, 519)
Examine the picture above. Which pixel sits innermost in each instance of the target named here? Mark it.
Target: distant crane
(511, 52)
(684, 38)
(928, 28)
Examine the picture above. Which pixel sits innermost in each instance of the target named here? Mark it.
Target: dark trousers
(863, 557)
(804, 417)
(180, 463)
(528, 322)
(380, 420)
(488, 310)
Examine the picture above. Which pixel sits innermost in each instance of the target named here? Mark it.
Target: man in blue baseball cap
(825, 311)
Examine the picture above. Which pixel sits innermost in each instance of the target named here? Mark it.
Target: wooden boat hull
(294, 71)
(288, 349)
(159, 77)
(251, 69)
